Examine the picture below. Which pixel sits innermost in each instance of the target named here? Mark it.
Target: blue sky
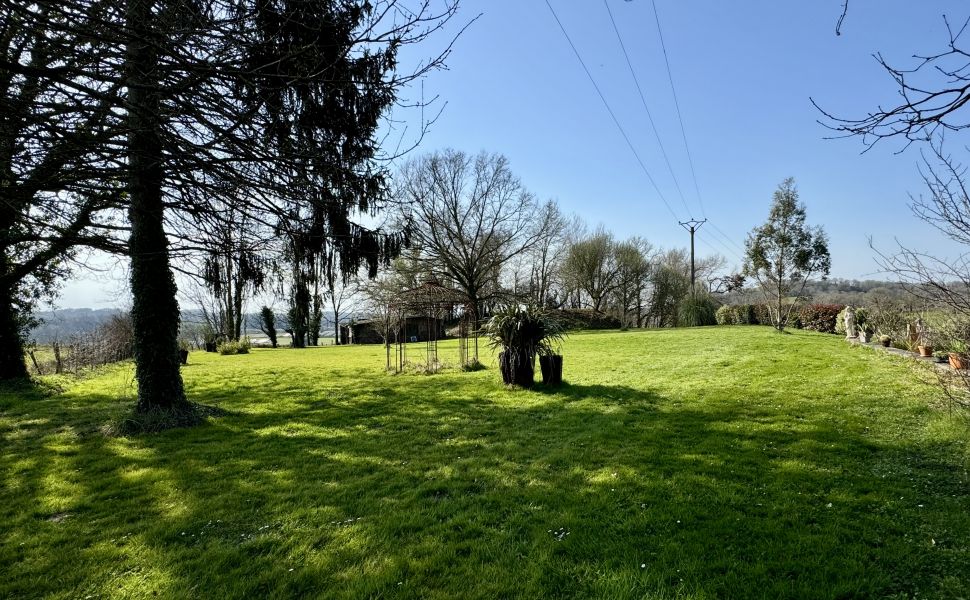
(744, 73)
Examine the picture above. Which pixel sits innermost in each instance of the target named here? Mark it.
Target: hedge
(820, 317)
(585, 318)
(755, 314)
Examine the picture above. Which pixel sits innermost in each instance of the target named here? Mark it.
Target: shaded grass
(706, 463)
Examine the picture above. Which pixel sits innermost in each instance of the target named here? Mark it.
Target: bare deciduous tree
(469, 216)
(590, 266)
(632, 274)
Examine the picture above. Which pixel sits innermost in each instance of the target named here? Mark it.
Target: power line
(723, 246)
(610, 110)
(673, 90)
(726, 237)
(683, 132)
(643, 101)
(656, 133)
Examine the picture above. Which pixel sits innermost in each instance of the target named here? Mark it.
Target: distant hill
(65, 322)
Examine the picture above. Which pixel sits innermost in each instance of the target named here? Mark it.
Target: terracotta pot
(959, 361)
(926, 351)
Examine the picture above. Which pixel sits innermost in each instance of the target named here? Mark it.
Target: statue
(920, 330)
(850, 331)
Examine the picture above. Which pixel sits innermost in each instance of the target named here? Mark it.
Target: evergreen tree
(170, 102)
(784, 252)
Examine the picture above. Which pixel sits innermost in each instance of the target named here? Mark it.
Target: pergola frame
(430, 301)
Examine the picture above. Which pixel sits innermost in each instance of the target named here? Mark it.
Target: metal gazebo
(427, 304)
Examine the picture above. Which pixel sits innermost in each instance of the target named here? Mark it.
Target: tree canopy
(784, 252)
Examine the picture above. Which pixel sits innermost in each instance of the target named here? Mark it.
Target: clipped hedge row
(816, 317)
(585, 318)
(743, 314)
(820, 317)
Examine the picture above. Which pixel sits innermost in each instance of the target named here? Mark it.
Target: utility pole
(692, 226)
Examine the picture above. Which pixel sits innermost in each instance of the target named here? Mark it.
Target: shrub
(696, 312)
(744, 314)
(821, 317)
(741, 314)
(585, 318)
(762, 314)
(889, 317)
(230, 348)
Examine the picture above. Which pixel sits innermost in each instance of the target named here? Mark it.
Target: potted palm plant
(522, 333)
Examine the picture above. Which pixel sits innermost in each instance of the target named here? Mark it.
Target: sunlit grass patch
(705, 463)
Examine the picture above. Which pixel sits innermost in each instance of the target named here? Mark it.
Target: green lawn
(707, 463)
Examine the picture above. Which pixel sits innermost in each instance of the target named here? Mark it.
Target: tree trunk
(779, 325)
(155, 311)
(12, 365)
(473, 304)
(299, 315)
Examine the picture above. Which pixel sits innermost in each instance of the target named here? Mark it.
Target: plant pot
(959, 361)
(926, 351)
(551, 367)
(865, 338)
(518, 368)
(886, 343)
(184, 357)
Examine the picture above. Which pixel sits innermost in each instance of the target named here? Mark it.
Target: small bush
(889, 318)
(762, 314)
(820, 317)
(230, 348)
(743, 314)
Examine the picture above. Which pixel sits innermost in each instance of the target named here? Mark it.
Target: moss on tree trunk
(155, 311)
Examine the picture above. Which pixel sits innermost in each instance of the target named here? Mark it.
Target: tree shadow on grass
(449, 490)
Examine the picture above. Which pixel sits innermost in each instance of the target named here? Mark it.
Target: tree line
(181, 134)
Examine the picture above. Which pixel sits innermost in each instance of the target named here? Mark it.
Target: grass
(707, 463)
